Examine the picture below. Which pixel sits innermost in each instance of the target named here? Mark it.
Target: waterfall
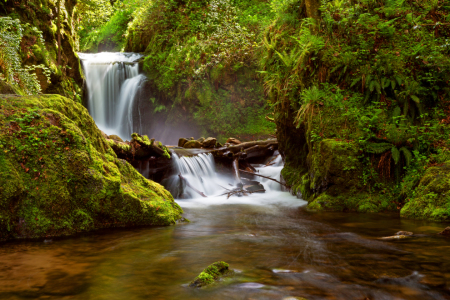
(199, 171)
(113, 81)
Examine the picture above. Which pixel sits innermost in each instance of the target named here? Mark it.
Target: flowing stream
(113, 82)
(279, 250)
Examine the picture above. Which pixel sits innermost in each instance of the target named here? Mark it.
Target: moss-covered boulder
(431, 198)
(59, 176)
(211, 274)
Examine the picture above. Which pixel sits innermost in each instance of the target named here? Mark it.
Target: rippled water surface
(279, 250)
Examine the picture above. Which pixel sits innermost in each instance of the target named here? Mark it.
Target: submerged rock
(404, 233)
(209, 142)
(445, 232)
(181, 142)
(192, 144)
(59, 176)
(211, 274)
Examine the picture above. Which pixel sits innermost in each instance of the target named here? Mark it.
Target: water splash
(113, 81)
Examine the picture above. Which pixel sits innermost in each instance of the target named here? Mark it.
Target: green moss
(211, 274)
(431, 199)
(59, 176)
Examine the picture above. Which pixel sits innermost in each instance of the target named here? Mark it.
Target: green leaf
(415, 98)
(408, 155)
(395, 155)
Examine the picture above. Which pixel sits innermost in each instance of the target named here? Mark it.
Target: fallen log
(255, 149)
(187, 183)
(264, 177)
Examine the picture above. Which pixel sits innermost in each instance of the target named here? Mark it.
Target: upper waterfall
(113, 81)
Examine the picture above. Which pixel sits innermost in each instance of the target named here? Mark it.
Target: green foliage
(11, 69)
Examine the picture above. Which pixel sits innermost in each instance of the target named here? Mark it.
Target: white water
(113, 81)
(200, 172)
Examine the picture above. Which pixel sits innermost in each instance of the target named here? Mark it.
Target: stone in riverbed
(445, 232)
(209, 142)
(192, 144)
(404, 233)
(181, 142)
(201, 140)
(211, 274)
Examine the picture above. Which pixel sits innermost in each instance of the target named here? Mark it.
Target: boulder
(233, 141)
(115, 138)
(68, 180)
(201, 140)
(211, 274)
(181, 142)
(192, 144)
(209, 142)
(219, 145)
(445, 232)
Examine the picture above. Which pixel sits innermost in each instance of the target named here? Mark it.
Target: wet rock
(209, 142)
(181, 142)
(445, 232)
(233, 141)
(211, 274)
(115, 138)
(192, 144)
(404, 233)
(191, 138)
(219, 145)
(395, 237)
(201, 140)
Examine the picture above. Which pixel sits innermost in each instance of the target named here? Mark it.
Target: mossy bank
(58, 175)
(361, 102)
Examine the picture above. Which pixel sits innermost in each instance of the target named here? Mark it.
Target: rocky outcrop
(66, 79)
(432, 196)
(59, 176)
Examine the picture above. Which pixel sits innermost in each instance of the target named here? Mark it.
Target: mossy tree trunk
(312, 9)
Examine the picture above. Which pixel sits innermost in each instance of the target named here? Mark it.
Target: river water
(278, 248)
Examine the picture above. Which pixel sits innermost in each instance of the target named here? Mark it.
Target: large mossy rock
(211, 274)
(58, 175)
(431, 199)
(333, 180)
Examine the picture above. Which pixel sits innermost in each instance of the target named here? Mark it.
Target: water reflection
(279, 250)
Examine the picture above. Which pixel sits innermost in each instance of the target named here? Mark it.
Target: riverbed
(277, 248)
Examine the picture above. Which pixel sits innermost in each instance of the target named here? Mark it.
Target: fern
(407, 154)
(395, 155)
(377, 148)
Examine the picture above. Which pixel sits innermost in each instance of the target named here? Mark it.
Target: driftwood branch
(187, 183)
(264, 177)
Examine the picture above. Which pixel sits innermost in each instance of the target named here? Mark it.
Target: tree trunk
(58, 4)
(312, 9)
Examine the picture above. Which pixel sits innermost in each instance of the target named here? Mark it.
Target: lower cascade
(113, 83)
(196, 175)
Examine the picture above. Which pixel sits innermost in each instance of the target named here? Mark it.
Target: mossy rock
(211, 274)
(59, 176)
(181, 142)
(115, 138)
(192, 144)
(432, 196)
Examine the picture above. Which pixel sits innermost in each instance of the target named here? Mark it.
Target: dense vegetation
(365, 87)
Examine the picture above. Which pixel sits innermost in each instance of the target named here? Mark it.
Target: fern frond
(408, 155)
(395, 155)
